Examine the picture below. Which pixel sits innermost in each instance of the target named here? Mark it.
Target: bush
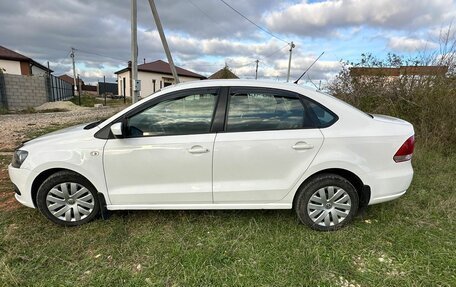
(428, 102)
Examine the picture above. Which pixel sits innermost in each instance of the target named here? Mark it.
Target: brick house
(13, 63)
(154, 76)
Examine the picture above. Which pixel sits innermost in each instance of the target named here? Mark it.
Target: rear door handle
(302, 146)
(196, 149)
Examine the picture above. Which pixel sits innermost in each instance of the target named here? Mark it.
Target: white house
(154, 76)
(14, 63)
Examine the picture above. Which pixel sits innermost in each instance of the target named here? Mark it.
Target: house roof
(162, 67)
(402, 70)
(7, 54)
(70, 80)
(424, 70)
(224, 73)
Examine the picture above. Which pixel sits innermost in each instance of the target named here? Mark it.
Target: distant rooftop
(7, 54)
(224, 73)
(70, 79)
(162, 67)
(400, 71)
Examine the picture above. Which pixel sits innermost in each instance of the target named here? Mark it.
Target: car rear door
(269, 141)
(166, 157)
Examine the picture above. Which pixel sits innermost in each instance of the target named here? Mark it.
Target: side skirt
(199, 206)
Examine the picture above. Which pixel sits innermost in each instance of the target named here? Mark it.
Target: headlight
(19, 157)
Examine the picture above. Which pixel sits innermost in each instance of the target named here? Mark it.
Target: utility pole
(74, 70)
(79, 89)
(256, 69)
(163, 39)
(134, 52)
(104, 87)
(292, 45)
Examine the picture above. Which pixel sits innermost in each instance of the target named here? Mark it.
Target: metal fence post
(3, 97)
(48, 83)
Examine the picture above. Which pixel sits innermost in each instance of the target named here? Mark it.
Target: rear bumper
(22, 179)
(390, 184)
(387, 198)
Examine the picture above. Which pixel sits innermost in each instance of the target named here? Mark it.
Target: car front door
(269, 141)
(166, 154)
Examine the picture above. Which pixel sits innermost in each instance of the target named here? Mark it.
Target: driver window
(190, 114)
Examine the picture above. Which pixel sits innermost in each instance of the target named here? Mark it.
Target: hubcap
(70, 201)
(329, 206)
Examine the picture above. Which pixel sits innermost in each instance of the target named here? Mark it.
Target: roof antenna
(309, 68)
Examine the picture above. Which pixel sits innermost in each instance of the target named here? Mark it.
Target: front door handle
(196, 149)
(302, 146)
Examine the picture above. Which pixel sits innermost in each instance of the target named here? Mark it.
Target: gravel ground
(15, 127)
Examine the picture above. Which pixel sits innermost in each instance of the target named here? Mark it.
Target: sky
(206, 35)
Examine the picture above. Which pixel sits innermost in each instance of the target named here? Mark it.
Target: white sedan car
(220, 144)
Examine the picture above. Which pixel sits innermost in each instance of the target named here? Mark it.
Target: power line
(204, 12)
(253, 23)
(261, 58)
(242, 65)
(93, 53)
(272, 54)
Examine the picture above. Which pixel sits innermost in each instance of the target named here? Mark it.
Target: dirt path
(14, 128)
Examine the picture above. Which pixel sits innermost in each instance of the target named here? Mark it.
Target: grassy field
(90, 100)
(407, 242)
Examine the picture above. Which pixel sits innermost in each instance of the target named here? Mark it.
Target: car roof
(239, 83)
(329, 101)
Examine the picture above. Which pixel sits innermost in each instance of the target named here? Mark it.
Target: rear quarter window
(324, 116)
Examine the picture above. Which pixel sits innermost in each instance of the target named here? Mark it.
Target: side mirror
(116, 130)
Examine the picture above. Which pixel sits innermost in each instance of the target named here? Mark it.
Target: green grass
(406, 242)
(3, 111)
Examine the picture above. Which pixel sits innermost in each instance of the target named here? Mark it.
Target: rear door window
(262, 111)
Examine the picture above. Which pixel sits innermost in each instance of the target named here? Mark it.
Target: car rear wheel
(327, 202)
(68, 199)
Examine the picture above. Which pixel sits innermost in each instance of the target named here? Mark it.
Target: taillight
(405, 152)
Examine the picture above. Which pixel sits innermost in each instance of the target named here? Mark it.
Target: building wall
(11, 67)
(147, 82)
(37, 71)
(24, 92)
(120, 84)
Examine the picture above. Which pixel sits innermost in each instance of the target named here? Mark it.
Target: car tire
(68, 199)
(327, 202)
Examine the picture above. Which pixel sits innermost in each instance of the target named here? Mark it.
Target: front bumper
(22, 179)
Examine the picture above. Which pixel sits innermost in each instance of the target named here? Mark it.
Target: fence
(59, 90)
(19, 92)
(3, 103)
(107, 88)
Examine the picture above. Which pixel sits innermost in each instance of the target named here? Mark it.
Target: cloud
(404, 44)
(100, 30)
(325, 18)
(205, 34)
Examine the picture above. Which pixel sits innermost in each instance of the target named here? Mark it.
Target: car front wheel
(68, 199)
(327, 202)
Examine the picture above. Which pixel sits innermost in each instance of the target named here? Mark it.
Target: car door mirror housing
(117, 130)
